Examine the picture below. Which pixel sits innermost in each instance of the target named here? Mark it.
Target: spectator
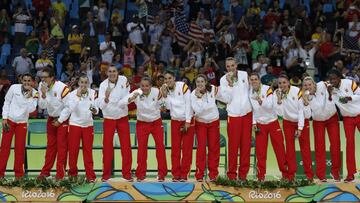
(209, 45)
(191, 71)
(208, 30)
(117, 30)
(107, 49)
(143, 9)
(65, 59)
(22, 64)
(306, 55)
(44, 33)
(209, 69)
(129, 54)
(270, 17)
(183, 78)
(117, 62)
(327, 49)
(195, 51)
(102, 17)
(159, 69)
(260, 65)
(85, 70)
(244, 28)
(139, 74)
(32, 43)
(241, 51)
(273, 34)
(165, 42)
(56, 30)
(75, 40)
(5, 52)
(155, 31)
(254, 8)
(259, 46)
(135, 29)
(127, 71)
(51, 47)
(287, 37)
(200, 20)
(39, 21)
(21, 18)
(293, 62)
(59, 8)
(42, 63)
(316, 37)
(41, 6)
(353, 60)
(237, 10)
(88, 64)
(339, 65)
(5, 24)
(227, 35)
(160, 79)
(302, 25)
(174, 66)
(68, 73)
(194, 6)
(84, 8)
(276, 57)
(150, 63)
(223, 50)
(90, 33)
(269, 77)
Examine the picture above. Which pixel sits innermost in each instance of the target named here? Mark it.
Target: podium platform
(150, 191)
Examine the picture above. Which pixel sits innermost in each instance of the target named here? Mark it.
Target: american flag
(195, 32)
(182, 29)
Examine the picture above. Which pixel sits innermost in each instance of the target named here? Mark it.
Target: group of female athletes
(251, 107)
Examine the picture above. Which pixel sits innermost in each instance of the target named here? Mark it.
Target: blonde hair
(308, 78)
(230, 59)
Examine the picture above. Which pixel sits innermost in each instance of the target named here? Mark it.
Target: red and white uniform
(296, 117)
(149, 121)
(239, 124)
(115, 115)
(81, 128)
(54, 102)
(351, 118)
(324, 114)
(207, 128)
(266, 120)
(16, 110)
(178, 101)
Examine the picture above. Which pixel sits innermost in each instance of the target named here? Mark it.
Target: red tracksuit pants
(143, 130)
(20, 130)
(239, 138)
(56, 148)
(122, 127)
(207, 134)
(304, 141)
(261, 144)
(350, 124)
(86, 135)
(181, 150)
(333, 130)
